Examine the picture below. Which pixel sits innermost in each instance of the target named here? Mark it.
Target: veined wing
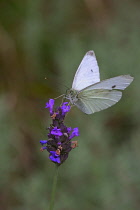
(119, 83)
(97, 100)
(87, 73)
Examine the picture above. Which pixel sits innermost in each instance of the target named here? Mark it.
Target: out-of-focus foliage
(41, 46)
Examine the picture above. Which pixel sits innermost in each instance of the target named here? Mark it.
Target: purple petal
(43, 142)
(74, 133)
(65, 108)
(54, 157)
(69, 129)
(64, 103)
(56, 132)
(50, 105)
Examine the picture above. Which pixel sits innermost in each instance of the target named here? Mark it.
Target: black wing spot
(91, 70)
(113, 86)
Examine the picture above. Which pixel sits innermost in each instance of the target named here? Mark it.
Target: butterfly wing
(87, 73)
(119, 83)
(91, 101)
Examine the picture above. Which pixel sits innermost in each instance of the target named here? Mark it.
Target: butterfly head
(72, 95)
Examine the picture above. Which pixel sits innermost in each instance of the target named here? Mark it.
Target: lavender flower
(50, 105)
(59, 142)
(54, 157)
(65, 108)
(57, 132)
(43, 142)
(74, 133)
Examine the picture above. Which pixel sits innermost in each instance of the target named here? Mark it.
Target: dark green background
(41, 45)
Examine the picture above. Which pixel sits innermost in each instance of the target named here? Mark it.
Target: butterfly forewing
(87, 73)
(97, 100)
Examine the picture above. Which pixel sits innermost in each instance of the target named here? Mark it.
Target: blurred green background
(41, 45)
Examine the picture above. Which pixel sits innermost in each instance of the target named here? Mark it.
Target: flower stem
(54, 188)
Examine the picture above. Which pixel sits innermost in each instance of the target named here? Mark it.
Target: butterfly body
(90, 94)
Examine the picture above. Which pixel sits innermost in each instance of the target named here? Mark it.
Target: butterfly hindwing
(97, 100)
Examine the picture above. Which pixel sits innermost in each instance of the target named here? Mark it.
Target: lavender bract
(59, 142)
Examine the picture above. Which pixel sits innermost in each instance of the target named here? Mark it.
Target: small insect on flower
(59, 142)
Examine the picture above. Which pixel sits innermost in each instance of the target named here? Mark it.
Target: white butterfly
(88, 93)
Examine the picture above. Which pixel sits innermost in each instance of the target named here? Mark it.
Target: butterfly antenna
(58, 83)
(59, 96)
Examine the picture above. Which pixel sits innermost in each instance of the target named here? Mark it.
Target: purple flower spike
(74, 133)
(54, 157)
(65, 108)
(50, 105)
(59, 142)
(56, 132)
(43, 142)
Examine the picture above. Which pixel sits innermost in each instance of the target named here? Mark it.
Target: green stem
(54, 188)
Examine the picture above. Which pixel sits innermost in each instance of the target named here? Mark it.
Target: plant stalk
(54, 187)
